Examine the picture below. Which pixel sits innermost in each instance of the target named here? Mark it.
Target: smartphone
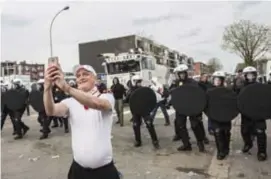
(53, 61)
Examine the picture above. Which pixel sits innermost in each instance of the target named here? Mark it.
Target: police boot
(19, 134)
(205, 140)
(220, 141)
(153, 135)
(177, 132)
(227, 141)
(248, 144)
(55, 122)
(185, 139)
(118, 117)
(199, 134)
(25, 128)
(66, 125)
(61, 122)
(261, 142)
(44, 136)
(247, 138)
(137, 135)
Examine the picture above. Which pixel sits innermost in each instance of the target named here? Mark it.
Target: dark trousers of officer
(250, 128)
(196, 126)
(20, 126)
(177, 129)
(28, 110)
(137, 120)
(4, 115)
(222, 134)
(47, 122)
(162, 105)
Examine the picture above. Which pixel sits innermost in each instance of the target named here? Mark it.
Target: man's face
(115, 81)
(85, 80)
(204, 78)
(181, 75)
(217, 81)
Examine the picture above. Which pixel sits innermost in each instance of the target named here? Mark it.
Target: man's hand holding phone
(51, 72)
(54, 75)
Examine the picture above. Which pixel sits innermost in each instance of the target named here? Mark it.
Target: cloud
(247, 4)
(153, 20)
(192, 28)
(14, 21)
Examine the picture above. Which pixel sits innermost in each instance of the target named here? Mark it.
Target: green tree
(214, 64)
(248, 40)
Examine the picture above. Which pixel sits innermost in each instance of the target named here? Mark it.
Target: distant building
(34, 70)
(89, 52)
(200, 67)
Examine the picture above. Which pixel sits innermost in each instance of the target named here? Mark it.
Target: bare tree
(214, 64)
(248, 40)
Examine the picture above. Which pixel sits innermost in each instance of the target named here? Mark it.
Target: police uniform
(222, 130)
(250, 127)
(137, 119)
(20, 127)
(5, 111)
(182, 79)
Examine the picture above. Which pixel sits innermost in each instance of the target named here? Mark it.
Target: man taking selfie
(91, 115)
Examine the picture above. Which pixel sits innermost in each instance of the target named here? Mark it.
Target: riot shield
(254, 101)
(142, 101)
(16, 99)
(36, 100)
(188, 100)
(221, 104)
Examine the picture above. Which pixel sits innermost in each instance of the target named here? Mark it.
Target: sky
(192, 28)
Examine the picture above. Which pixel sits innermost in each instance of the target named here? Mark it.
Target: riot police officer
(21, 128)
(4, 109)
(137, 120)
(196, 121)
(250, 127)
(222, 130)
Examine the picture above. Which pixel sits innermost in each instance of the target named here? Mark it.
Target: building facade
(89, 52)
(200, 67)
(35, 71)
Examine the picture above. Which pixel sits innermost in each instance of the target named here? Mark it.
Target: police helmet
(249, 69)
(17, 81)
(181, 68)
(219, 74)
(40, 81)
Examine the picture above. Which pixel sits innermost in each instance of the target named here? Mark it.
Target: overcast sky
(192, 28)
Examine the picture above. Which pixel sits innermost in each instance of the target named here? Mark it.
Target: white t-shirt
(91, 133)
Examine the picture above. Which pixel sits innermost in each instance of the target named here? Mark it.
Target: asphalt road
(50, 159)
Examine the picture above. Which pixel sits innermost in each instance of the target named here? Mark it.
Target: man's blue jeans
(160, 104)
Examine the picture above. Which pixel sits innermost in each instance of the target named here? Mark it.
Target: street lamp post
(51, 41)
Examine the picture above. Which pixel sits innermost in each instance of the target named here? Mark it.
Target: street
(50, 159)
